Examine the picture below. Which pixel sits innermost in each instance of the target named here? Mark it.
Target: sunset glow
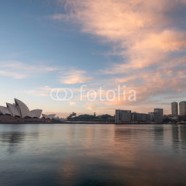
(138, 44)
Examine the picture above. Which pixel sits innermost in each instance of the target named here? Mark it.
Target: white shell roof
(13, 109)
(23, 108)
(36, 113)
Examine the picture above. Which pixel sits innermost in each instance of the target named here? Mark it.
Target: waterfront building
(158, 115)
(182, 108)
(174, 108)
(151, 116)
(20, 109)
(140, 117)
(122, 116)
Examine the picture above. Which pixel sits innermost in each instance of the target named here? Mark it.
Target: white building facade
(123, 116)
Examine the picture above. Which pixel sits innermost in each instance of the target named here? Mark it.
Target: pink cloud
(74, 77)
(144, 34)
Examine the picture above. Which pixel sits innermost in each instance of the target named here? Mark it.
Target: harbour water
(83, 155)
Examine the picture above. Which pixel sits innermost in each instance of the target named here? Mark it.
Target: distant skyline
(138, 44)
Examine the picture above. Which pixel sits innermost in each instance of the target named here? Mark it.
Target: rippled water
(52, 155)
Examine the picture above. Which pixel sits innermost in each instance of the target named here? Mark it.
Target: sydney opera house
(19, 111)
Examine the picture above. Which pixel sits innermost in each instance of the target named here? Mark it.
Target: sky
(89, 56)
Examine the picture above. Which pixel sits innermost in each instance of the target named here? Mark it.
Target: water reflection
(183, 136)
(179, 137)
(12, 138)
(93, 155)
(159, 134)
(175, 137)
(13, 135)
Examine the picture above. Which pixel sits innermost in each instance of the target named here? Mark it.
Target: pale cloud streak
(20, 70)
(16, 65)
(66, 75)
(12, 74)
(40, 91)
(74, 76)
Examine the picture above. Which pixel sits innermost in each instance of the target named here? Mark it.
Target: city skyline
(20, 109)
(66, 44)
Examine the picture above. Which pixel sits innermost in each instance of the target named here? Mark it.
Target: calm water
(52, 155)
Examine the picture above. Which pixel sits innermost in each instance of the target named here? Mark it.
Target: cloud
(12, 74)
(148, 35)
(66, 75)
(16, 65)
(41, 91)
(20, 70)
(74, 77)
(59, 17)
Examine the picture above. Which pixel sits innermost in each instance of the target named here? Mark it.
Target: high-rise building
(123, 116)
(158, 115)
(182, 107)
(174, 108)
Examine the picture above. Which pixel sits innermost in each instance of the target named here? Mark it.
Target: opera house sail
(36, 113)
(13, 110)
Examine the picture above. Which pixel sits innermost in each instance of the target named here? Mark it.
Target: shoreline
(16, 120)
(86, 123)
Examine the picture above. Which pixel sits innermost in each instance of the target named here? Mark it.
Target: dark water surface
(52, 155)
